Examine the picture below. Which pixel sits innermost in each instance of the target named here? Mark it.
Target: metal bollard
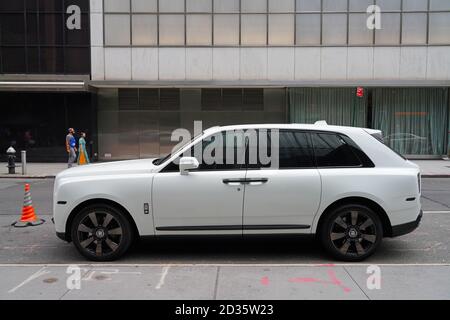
(24, 162)
(11, 160)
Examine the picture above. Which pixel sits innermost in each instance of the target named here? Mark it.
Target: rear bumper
(406, 228)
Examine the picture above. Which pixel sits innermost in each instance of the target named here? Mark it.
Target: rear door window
(292, 150)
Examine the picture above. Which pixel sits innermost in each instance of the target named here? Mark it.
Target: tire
(101, 233)
(350, 239)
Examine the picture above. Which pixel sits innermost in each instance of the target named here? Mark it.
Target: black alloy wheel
(352, 232)
(101, 233)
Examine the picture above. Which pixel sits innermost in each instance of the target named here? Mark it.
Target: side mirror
(188, 163)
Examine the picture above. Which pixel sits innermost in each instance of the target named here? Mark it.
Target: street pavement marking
(231, 265)
(35, 275)
(164, 273)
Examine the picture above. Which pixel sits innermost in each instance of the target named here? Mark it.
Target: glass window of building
(254, 6)
(117, 29)
(115, 5)
(12, 29)
(144, 29)
(439, 28)
(171, 6)
(308, 5)
(334, 5)
(198, 29)
(358, 33)
(281, 29)
(439, 5)
(360, 5)
(414, 28)
(171, 29)
(198, 5)
(253, 29)
(226, 6)
(390, 31)
(389, 5)
(51, 28)
(281, 5)
(334, 29)
(308, 29)
(144, 5)
(415, 5)
(226, 29)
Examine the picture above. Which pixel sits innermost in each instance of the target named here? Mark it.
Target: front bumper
(406, 228)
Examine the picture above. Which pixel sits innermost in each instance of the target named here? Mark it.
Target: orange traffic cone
(29, 217)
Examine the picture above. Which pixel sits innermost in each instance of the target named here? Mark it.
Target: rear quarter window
(332, 150)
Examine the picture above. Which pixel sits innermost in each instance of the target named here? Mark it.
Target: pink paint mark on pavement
(333, 280)
(305, 280)
(336, 281)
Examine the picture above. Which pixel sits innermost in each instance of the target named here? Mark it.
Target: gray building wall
(268, 63)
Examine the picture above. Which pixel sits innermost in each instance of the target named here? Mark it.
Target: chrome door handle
(233, 182)
(256, 181)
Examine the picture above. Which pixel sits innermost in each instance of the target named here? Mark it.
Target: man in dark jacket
(71, 147)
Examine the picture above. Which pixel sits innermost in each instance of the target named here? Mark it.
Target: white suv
(340, 183)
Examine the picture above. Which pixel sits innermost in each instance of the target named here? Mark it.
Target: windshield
(161, 160)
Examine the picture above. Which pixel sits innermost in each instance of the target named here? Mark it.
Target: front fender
(130, 191)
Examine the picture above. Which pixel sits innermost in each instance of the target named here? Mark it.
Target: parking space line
(164, 273)
(35, 275)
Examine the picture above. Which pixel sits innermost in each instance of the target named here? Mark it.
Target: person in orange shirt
(83, 157)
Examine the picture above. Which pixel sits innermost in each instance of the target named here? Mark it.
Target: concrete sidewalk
(224, 282)
(429, 168)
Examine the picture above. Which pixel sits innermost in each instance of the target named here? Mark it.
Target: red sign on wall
(360, 92)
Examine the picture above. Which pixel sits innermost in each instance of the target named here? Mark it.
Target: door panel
(209, 199)
(198, 203)
(288, 197)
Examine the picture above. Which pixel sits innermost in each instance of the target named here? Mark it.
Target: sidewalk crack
(356, 283)
(216, 283)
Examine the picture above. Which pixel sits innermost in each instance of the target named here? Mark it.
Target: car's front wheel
(101, 233)
(351, 232)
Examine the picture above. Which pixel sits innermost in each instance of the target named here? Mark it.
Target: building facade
(159, 65)
(44, 66)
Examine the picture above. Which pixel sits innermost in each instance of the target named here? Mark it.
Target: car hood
(110, 168)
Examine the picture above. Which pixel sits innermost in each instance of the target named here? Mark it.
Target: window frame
(365, 161)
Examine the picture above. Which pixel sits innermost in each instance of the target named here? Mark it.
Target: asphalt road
(33, 262)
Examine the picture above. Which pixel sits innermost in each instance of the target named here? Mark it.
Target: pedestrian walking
(71, 147)
(83, 157)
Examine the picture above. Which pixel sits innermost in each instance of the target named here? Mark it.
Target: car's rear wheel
(101, 233)
(351, 232)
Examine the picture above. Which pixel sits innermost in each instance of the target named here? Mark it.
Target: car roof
(316, 127)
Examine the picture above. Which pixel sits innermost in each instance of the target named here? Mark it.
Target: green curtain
(413, 120)
(338, 106)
